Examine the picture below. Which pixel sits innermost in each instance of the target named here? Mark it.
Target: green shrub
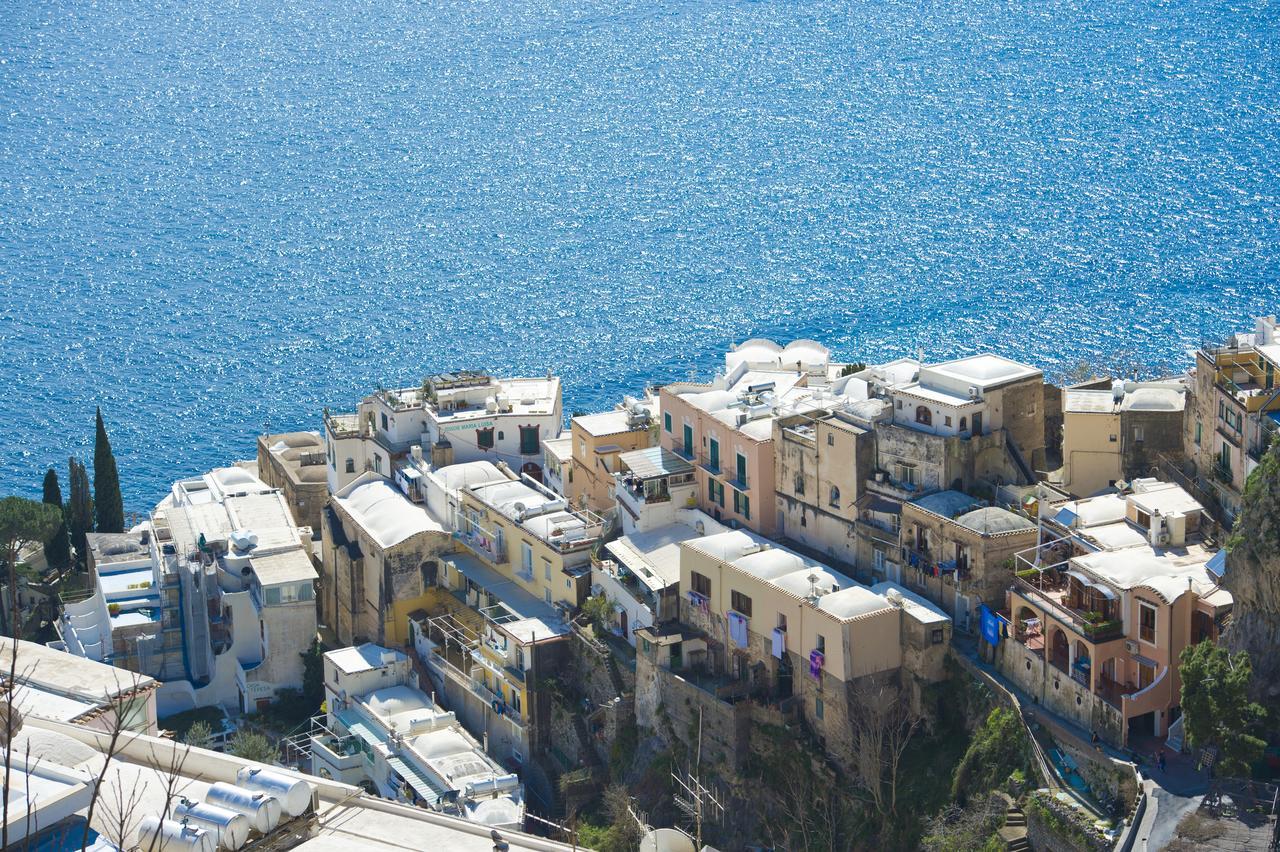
(999, 746)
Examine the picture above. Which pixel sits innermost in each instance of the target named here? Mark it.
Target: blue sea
(219, 217)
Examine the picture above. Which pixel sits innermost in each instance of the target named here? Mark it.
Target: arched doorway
(1028, 630)
(1111, 681)
(1081, 666)
(533, 470)
(1059, 650)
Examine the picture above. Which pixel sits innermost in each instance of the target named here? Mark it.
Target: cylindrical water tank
(294, 793)
(231, 827)
(667, 840)
(166, 835)
(262, 809)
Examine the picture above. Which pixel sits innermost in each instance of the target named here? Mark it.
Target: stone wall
(1054, 826)
(1162, 434)
(1053, 421)
(1045, 685)
(1023, 414)
(673, 707)
(1105, 777)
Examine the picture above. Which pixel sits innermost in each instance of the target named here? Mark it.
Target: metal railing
(1101, 631)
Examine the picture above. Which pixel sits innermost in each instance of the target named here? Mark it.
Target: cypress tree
(108, 504)
(57, 550)
(79, 507)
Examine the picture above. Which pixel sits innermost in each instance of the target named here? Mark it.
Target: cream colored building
(450, 418)
(823, 462)
(1121, 432)
(786, 628)
(527, 534)
(597, 442)
(1102, 609)
(1231, 418)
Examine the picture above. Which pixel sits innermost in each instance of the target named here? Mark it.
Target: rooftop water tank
(166, 835)
(294, 794)
(262, 809)
(230, 827)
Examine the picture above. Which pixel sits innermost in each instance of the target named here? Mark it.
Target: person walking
(1160, 759)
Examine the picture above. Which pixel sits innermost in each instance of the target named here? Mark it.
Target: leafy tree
(109, 506)
(313, 675)
(249, 745)
(1216, 707)
(199, 735)
(22, 522)
(79, 508)
(57, 550)
(598, 610)
(850, 369)
(999, 746)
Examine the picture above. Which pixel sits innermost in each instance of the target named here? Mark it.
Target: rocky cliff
(1253, 577)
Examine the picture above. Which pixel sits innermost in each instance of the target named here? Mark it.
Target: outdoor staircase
(1174, 740)
(587, 747)
(1014, 832)
(615, 676)
(1028, 476)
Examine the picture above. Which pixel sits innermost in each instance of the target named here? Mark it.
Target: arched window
(835, 496)
(923, 415)
(964, 424)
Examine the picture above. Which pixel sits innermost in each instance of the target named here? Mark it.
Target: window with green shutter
(528, 440)
(666, 421)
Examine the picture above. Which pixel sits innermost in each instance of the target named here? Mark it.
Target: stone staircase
(1014, 832)
(587, 747)
(1176, 737)
(615, 676)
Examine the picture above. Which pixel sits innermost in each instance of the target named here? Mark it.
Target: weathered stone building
(822, 463)
(961, 554)
(1119, 433)
(759, 620)
(294, 462)
(381, 555)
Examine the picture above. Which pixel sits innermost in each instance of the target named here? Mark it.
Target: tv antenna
(693, 797)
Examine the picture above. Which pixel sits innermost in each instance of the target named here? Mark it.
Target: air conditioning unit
(1130, 646)
(1162, 538)
(973, 392)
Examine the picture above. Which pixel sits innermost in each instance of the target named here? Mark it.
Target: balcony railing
(1091, 629)
(483, 542)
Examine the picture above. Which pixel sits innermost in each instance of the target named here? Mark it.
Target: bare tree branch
(118, 706)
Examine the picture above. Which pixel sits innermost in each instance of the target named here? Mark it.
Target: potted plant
(113, 609)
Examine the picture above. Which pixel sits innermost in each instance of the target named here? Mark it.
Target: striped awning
(429, 791)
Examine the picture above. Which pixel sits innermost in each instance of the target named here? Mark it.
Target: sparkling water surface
(220, 216)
